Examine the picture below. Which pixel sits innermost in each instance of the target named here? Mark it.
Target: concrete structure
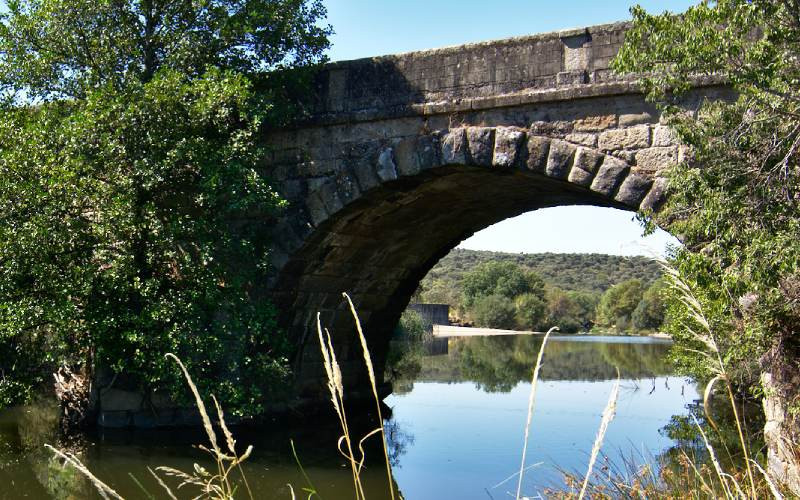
(432, 314)
(402, 157)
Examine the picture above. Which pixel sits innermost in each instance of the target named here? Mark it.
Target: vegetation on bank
(735, 197)
(507, 291)
(132, 202)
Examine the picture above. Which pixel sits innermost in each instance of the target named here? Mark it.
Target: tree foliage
(618, 303)
(132, 202)
(735, 203)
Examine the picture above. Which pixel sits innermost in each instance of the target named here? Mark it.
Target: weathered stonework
(402, 157)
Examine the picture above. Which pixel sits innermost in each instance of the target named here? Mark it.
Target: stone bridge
(404, 156)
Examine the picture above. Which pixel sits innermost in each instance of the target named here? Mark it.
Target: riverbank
(446, 331)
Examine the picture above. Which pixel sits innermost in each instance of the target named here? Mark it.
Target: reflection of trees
(397, 440)
(23, 444)
(499, 363)
(724, 439)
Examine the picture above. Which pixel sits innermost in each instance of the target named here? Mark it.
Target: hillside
(580, 272)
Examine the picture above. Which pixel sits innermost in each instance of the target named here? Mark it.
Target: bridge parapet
(471, 76)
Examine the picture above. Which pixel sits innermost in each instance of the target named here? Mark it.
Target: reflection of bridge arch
(402, 157)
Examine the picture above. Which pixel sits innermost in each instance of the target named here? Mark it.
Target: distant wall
(435, 314)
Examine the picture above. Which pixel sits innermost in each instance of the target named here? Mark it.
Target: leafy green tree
(618, 303)
(735, 201)
(562, 311)
(132, 202)
(649, 313)
(505, 279)
(530, 311)
(494, 311)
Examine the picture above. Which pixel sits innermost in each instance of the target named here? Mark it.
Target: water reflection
(499, 363)
(466, 405)
(455, 429)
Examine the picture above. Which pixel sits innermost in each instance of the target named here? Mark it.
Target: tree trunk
(782, 387)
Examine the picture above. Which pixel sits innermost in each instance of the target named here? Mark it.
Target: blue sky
(366, 28)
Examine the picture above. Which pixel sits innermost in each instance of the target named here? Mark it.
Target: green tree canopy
(504, 279)
(132, 199)
(735, 202)
(649, 313)
(618, 303)
(52, 49)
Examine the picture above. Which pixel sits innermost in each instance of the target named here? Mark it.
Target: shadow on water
(120, 457)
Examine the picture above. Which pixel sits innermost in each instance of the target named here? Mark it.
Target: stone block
(120, 400)
(347, 187)
(595, 123)
(329, 195)
(507, 147)
(626, 138)
(655, 198)
(633, 190)
(428, 152)
(454, 147)
(387, 170)
(480, 142)
(608, 177)
(583, 139)
(631, 119)
(585, 166)
(365, 174)
(405, 151)
(316, 208)
(580, 177)
(664, 136)
(655, 159)
(538, 149)
(559, 160)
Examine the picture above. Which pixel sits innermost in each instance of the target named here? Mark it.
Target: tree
(494, 311)
(530, 311)
(735, 200)
(132, 202)
(618, 303)
(505, 279)
(649, 313)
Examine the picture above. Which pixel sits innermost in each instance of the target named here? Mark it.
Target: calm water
(456, 429)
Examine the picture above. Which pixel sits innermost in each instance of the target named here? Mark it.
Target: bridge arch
(402, 157)
(380, 224)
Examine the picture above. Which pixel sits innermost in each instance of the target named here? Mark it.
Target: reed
(216, 485)
(336, 389)
(531, 407)
(608, 415)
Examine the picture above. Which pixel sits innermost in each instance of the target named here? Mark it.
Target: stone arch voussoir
(621, 165)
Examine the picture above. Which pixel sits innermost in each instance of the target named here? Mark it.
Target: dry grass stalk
(219, 485)
(531, 405)
(705, 335)
(336, 388)
(374, 385)
(103, 489)
(608, 416)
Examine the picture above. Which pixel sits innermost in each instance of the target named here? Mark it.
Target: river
(455, 431)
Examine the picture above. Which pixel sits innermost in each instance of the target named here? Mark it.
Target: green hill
(569, 271)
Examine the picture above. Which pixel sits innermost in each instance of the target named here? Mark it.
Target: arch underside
(380, 246)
